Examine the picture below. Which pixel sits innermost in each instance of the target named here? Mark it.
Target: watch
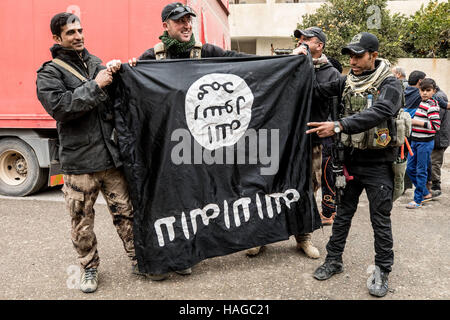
(337, 127)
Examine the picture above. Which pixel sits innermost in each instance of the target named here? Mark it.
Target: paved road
(38, 261)
(53, 195)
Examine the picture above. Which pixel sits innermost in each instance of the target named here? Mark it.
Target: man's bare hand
(323, 129)
(300, 50)
(132, 62)
(104, 78)
(114, 65)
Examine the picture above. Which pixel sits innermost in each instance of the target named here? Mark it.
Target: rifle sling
(69, 68)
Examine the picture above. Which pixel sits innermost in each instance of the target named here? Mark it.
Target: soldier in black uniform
(371, 97)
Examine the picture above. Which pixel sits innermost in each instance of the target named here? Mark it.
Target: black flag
(216, 155)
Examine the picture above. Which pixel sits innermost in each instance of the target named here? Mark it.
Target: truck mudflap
(56, 180)
(55, 176)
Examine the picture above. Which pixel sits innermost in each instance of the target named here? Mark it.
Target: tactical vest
(389, 133)
(161, 52)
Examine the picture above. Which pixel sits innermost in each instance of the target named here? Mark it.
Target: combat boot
(378, 282)
(157, 277)
(436, 189)
(304, 244)
(89, 280)
(254, 251)
(184, 272)
(308, 248)
(135, 270)
(151, 276)
(328, 269)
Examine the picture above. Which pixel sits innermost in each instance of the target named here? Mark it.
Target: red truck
(114, 29)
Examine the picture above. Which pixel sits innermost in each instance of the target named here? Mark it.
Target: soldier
(400, 74)
(73, 90)
(371, 97)
(177, 42)
(315, 38)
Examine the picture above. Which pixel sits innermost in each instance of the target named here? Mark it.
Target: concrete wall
(437, 69)
(247, 46)
(267, 22)
(263, 45)
(267, 19)
(272, 19)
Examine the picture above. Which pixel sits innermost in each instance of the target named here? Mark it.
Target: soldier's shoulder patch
(383, 137)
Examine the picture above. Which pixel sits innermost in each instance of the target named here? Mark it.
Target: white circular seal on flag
(218, 109)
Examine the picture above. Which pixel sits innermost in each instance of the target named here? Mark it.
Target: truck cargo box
(113, 29)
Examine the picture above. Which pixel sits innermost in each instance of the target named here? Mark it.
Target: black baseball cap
(361, 43)
(175, 11)
(311, 32)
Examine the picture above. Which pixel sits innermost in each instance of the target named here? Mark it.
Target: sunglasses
(178, 10)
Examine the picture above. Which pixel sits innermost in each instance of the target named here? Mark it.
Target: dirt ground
(39, 262)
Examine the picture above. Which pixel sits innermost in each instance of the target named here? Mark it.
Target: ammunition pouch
(389, 133)
(161, 52)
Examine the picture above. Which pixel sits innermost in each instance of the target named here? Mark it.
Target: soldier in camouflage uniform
(81, 192)
(178, 42)
(73, 90)
(325, 71)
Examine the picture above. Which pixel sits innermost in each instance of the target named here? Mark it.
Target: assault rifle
(340, 173)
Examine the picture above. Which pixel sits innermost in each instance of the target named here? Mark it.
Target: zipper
(84, 65)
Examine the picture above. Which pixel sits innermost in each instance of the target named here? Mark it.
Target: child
(425, 123)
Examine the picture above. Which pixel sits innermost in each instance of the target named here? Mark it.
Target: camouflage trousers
(80, 193)
(316, 179)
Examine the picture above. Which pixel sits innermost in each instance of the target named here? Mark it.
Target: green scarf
(175, 46)
(360, 84)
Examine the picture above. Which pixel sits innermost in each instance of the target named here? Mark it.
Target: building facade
(257, 26)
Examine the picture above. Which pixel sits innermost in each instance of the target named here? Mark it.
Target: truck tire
(20, 174)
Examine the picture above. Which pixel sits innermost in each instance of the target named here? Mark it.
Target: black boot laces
(328, 267)
(90, 274)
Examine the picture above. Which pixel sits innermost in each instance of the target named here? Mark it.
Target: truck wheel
(20, 174)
